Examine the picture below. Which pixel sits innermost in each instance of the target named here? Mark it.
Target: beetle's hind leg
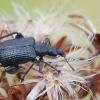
(46, 41)
(19, 35)
(11, 70)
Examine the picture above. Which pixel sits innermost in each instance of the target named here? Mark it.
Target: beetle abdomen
(17, 51)
(17, 54)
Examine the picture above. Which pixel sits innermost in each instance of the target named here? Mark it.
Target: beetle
(24, 49)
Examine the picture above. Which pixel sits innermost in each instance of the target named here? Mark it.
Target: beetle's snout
(61, 53)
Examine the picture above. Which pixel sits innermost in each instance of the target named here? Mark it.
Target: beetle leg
(22, 79)
(41, 59)
(52, 67)
(46, 41)
(19, 35)
(10, 70)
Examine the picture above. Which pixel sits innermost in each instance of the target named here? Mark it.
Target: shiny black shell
(17, 51)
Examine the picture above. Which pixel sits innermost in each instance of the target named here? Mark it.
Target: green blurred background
(89, 8)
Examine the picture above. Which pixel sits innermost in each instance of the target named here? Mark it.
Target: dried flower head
(56, 86)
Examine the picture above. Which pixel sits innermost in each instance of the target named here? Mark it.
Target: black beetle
(23, 49)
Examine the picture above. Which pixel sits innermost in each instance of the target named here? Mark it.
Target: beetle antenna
(65, 57)
(69, 64)
(66, 46)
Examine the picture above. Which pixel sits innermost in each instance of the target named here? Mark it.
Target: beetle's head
(61, 53)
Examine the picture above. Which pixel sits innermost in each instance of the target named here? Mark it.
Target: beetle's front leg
(41, 59)
(34, 61)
